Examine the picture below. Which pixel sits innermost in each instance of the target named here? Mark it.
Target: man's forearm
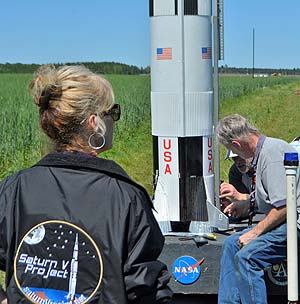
(274, 218)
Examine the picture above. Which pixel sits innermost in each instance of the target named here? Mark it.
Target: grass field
(272, 104)
(22, 143)
(262, 100)
(275, 111)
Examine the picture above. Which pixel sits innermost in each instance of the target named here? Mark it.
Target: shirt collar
(259, 146)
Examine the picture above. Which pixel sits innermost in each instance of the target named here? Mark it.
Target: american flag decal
(206, 53)
(164, 53)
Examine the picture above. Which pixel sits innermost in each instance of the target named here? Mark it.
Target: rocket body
(182, 108)
(73, 272)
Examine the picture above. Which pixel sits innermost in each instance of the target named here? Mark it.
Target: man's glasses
(114, 112)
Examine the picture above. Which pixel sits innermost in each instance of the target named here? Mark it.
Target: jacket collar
(76, 160)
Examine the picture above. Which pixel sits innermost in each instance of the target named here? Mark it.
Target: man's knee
(230, 244)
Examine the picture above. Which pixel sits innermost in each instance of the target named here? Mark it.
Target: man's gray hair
(234, 127)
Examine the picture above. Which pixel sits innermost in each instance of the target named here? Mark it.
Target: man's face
(243, 165)
(243, 151)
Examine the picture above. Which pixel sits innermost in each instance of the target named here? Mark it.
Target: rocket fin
(216, 217)
(209, 187)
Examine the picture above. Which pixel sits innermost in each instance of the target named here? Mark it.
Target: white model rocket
(73, 272)
(182, 109)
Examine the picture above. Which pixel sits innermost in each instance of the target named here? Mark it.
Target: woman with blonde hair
(74, 228)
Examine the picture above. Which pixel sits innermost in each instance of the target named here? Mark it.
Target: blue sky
(57, 31)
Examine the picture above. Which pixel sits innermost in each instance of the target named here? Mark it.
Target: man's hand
(237, 209)
(247, 238)
(275, 217)
(229, 191)
(4, 301)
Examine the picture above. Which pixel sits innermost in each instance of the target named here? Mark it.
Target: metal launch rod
(218, 32)
(216, 106)
(181, 50)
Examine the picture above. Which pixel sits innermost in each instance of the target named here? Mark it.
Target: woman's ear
(92, 121)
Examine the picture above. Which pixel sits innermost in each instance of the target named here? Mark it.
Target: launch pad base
(205, 288)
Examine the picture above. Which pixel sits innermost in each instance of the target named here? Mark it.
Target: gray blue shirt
(270, 174)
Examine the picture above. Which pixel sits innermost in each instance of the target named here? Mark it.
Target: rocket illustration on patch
(73, 272)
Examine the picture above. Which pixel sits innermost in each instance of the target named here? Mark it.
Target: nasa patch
(186, 269)
(58, 263)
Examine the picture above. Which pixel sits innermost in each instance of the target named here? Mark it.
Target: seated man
(239, 186)
(247, 253)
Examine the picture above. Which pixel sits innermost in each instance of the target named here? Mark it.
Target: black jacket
(76, 228)
(241, 181)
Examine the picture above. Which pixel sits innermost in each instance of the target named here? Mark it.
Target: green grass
(135, 155)
(275, 111)
(236, 86)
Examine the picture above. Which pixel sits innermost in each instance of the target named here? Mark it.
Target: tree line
(121, 68)
(97, 67)
(224, 69)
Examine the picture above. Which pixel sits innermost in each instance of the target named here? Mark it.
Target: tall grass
(133, 93)
(22, 143)
(274, 111)
(233, 86)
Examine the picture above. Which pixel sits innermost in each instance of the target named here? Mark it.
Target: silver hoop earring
(97, 136)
